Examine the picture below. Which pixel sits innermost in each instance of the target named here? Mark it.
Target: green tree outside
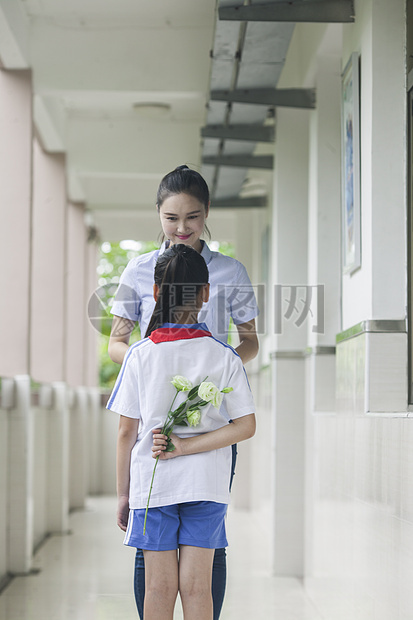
(112, 261)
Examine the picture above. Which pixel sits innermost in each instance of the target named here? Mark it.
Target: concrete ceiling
(121, 87)
(245, 56)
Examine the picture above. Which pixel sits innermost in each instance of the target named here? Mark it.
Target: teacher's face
(182, 219)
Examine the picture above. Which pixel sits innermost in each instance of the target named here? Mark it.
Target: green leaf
(179, 409)
(193, 393)
(193, 407)
(170, 447)
(179, 418)
(182, 423)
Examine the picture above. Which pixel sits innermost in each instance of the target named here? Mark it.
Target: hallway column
(48, 266)
(248, 231)
(324, 260)
(324, 267)
(91, 335)
(15, 250)
(20, 474)
(94, 452)
(48, 318)
(76, 309)
(289, 268)
(58, 459)
(75, 294)
(15, 233)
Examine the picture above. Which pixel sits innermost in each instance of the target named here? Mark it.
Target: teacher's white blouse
(231, 292)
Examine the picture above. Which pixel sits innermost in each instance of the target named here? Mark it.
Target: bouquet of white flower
(188, 413)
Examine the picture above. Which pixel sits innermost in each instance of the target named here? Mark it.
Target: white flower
(194, 417)
(181, 383)
(209, 392)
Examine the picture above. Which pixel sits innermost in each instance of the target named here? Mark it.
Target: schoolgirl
(183, 206)
(191, 489)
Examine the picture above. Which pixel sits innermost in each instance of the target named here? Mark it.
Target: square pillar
(91, 333)
(79, 446)
(324, 210)
(20, 479)
(58, 462)
(76, 303)
(15, 233)
(48, 267)
(95, 452)
(289, 268)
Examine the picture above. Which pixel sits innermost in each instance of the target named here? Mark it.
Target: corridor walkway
(87, 575)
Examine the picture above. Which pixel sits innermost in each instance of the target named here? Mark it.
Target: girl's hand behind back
(160, 443)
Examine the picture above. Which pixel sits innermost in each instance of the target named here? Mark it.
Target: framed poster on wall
(350, 166)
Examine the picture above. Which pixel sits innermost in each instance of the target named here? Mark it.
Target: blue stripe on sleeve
(228, 346)
(225, 344)
(120, 376)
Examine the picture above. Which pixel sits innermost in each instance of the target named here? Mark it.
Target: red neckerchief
(168, 334)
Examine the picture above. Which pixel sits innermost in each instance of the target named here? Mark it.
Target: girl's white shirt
(231, 292)
(144, 391)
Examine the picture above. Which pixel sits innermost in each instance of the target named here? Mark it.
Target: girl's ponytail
(162, 312)
(180, 272)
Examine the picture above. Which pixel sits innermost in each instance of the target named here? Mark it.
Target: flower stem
(174, 399)
(168, 417)
(150, 491)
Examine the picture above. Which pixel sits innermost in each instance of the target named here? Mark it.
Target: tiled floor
(87, 575)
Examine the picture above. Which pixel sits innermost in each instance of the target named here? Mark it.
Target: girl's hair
(180, 273)
(183, 180)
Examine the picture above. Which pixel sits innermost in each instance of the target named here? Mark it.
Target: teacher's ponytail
(180, 273)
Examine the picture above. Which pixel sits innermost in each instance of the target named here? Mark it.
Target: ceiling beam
(282, 97)
(265, 162)
(254, 133)
(14, 36)
(321, 11)
(238, 201)
(50, 137)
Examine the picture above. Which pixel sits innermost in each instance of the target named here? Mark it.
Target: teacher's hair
(180, 273)
(183, 180)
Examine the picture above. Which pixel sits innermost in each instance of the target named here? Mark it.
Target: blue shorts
(198, 524)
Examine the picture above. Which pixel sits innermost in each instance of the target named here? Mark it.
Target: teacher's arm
(248, 346)
(119, 338)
